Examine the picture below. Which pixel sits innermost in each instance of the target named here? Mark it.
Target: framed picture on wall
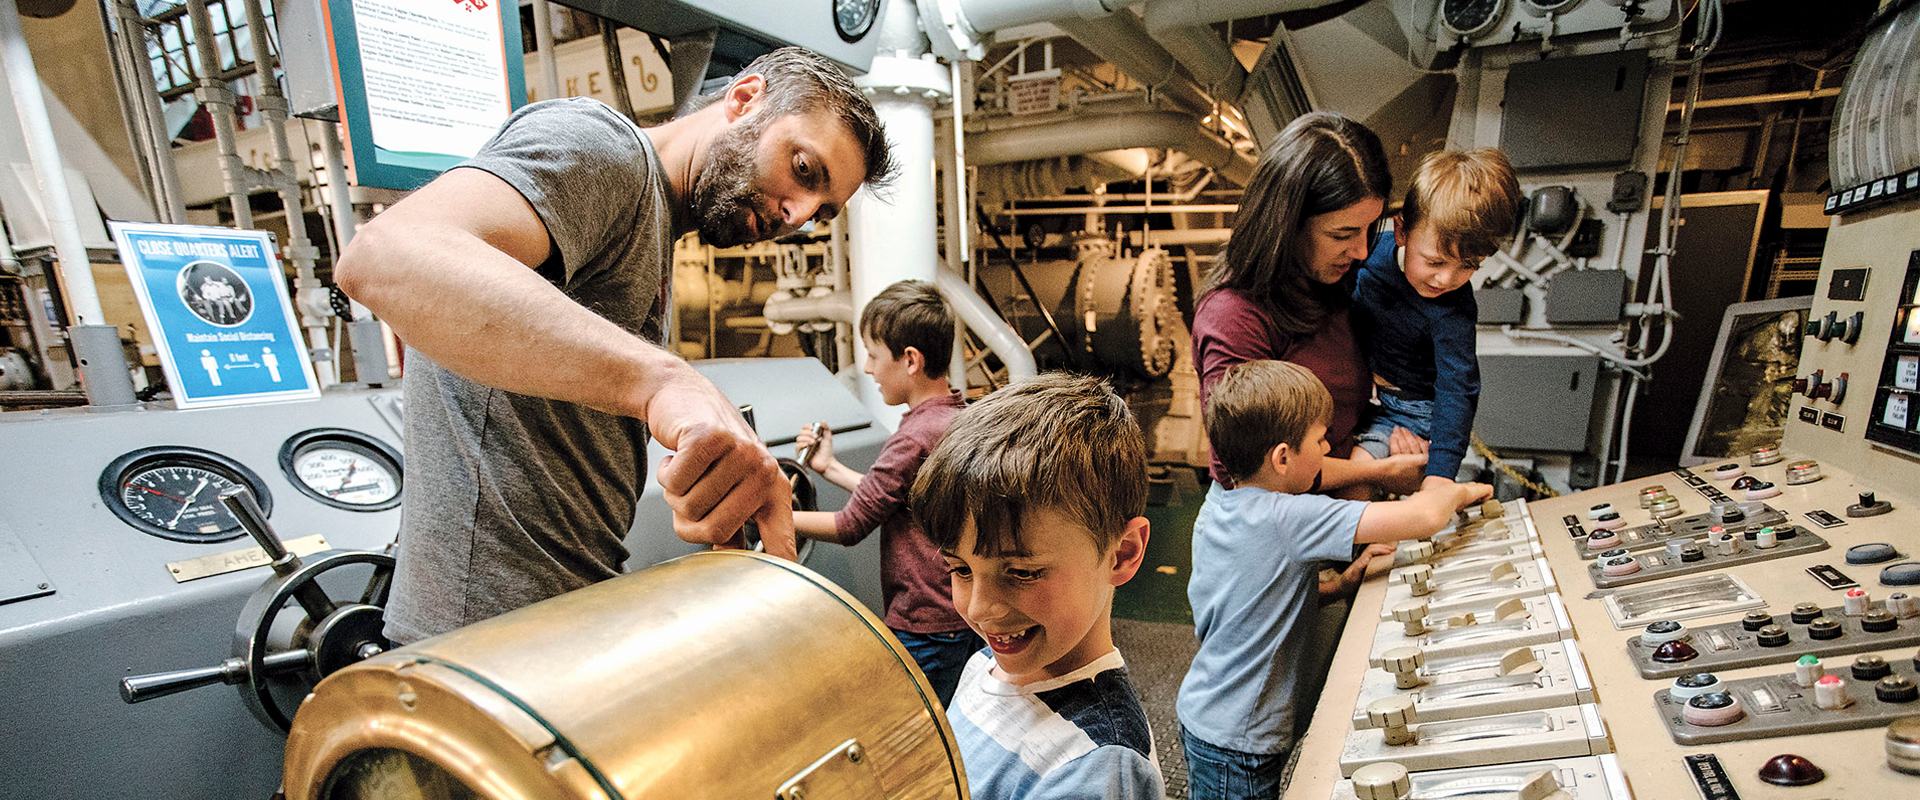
(1748, 393)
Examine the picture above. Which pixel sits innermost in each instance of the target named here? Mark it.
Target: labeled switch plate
(1831, 577)
(1692, 526)
(1526, 736)
(1824, 518)
(1657, 564)
(1809, 415)
(1454, 595)
(1545, 620)
(1778, 706)
(1581, 778)
(1452, 693)
(1728, 645)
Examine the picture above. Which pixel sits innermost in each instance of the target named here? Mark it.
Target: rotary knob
(1761, 490)
(1879, 620)
(1601, 540)
(1727, 472)
(1772, 636)
(1417, 578)
(1765, 454)
(1744, 482)
(1903, 745)
(1600, 510)
(1610, 521)
(1871, 668)
(1418, 552)
(1713, 709)
(1869, 506)
(1649, 493)
(1393, 716)
(1413, 615)
(1824, 628)
(1788, 769)
(1804, 613)
(1755, 620)
(1664, 507)
(1806, 471)
(1691, 552)
(1404, 664)
(1383, 781)
(1896, 689)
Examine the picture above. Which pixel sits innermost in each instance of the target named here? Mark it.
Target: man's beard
(725, 197)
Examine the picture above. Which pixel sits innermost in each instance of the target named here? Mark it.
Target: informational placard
(422, 83)
(216, 302)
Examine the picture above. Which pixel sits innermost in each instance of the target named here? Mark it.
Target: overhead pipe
(144, 115)
(96, 344)
(1122, 40)
(213, 93)
(312, 300)
(1096, 133)
(998, 336)
(892, 239)
(543, 42)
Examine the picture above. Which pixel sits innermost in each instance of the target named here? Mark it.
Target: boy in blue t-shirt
(1035, 499)
(1256, 554)
(1413, 311)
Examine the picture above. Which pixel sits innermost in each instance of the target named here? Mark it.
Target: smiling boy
(1035, 500)
(1414, 313)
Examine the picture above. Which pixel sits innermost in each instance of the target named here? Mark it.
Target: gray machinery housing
(87, 600)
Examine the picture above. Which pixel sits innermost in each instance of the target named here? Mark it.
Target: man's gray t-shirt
(1255, 593)
(512, 499)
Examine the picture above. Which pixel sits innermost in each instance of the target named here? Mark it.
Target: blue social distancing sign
(222, 320)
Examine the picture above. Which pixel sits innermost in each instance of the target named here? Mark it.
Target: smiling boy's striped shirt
(1082, 735)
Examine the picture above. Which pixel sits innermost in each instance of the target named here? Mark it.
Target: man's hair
(1060, 442)
(800, 81)
(911, 314)
(1260, 405)
(1320, 163)
(1469, 199)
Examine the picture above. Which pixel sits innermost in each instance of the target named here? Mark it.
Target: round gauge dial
(343, 469)
(853, 18)
(173, 493)
(1469, 17)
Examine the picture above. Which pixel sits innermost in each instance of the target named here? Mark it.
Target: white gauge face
(347, 475)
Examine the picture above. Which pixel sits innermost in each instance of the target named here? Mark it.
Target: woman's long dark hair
(1321, 162)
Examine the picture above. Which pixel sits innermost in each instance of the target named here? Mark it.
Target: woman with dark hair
(1283, 287)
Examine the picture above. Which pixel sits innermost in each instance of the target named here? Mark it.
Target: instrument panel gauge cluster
(343, 469)
(173, 492)
(1471, 17)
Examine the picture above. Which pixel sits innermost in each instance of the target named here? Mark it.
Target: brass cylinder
(718, 675)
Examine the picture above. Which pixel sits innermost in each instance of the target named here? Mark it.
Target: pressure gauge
(173, 493)
(343, 468)
(853, 18)
(1470, 17)
(1541, 8)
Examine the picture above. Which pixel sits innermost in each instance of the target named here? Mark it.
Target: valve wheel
(805, 498)
(342, 637)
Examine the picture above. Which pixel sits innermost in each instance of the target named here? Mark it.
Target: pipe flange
(906, 77)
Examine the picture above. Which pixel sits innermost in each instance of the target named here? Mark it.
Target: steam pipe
(1095, 133)
(999, 337)
(218, 98)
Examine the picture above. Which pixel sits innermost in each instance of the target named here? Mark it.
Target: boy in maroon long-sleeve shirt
(909, 336)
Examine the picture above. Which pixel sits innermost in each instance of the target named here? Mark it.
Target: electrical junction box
(1588, 297)
(1571, 113)
(1536, 402)
(1501, 306)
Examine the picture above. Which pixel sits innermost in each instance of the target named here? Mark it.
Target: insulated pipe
(1096, 133)
(314, 305)
(142, 103)
(218, 98)
(892, 239)
(1120, 39)
(836, 307)
(76, 273)
(999, 337)
(1165, 14)
(543, 39)
(987, 16)
(95, 343)
(1205, 55)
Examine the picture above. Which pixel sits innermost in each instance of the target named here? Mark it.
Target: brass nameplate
(236, 560)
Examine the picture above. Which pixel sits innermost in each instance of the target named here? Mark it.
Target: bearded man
(531, 285)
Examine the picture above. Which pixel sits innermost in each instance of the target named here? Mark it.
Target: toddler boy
(1035, 500)
(1413, 311)
(1255, 570)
